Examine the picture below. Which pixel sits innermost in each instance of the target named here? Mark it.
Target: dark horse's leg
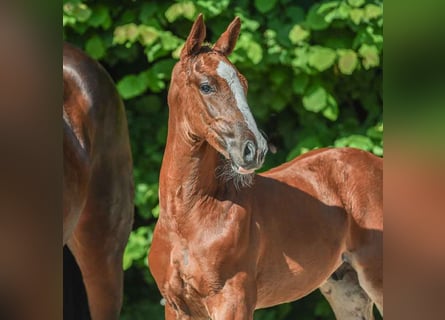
(347, 299)
(99, 240)
(75, 302)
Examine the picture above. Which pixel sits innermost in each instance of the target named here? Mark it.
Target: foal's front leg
(236, 301)
(171, 314)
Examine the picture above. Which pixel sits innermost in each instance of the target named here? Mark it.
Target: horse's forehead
(208, 63)
(226, 71)
(213, 63)
(216, 66)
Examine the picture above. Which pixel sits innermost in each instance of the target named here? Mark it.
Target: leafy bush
(315, 79)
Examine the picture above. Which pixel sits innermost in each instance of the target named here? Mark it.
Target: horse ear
(226, 43)
(195, 38)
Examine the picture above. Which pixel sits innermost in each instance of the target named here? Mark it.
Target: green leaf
(357, 15)
(355, 141)
(131, 86)
(373, 11)
(340, 13)
(331, 110)
(321, 58)
(298, 34)
(154, 80)
(129, 15)
(148, 35)
(177, 52)
(137, 246)
(100, 17)
(370, 56)
(264, 6)
(356, 3)
(154, 52)
(173, 12)
(301, 59)
(68, 20)
(95, 47)
(80, 11)
(186, 9)
(307, 143)
(282, 31)
(248, 22)
(146, 194)
(377, 150)
(295, 13)
(375, 132)
(348, 61)
(375, 35)
(315, 98)
(212, 8)
(155, 211)
(147, 11)
(316, 20)
(128, 32)
(327, 6)
(369, 36)
(279, 103)
(164, 68)
(278, 77)
(169, 41)
(253, 50)
(299, 83)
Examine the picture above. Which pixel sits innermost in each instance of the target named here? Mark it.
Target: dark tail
(75, 302)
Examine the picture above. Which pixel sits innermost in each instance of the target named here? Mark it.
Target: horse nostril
(249, 152)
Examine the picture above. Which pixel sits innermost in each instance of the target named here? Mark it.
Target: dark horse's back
(98, 189)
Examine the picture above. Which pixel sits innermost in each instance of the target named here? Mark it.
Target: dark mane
(205, 48)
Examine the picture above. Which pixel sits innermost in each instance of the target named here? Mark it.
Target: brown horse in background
(98, 180)
(229, 241)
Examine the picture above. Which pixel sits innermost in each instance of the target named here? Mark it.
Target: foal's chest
(199, 267)
(190, 281)
(204, 254)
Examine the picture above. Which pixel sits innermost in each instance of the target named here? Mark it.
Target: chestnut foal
(98, 180)
(228, 241)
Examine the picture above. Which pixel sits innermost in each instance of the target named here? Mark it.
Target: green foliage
(314, 72)
(185, 9)
(264, 6)
(137, 247)
(347, 61)
(321, 58)
(298, 34)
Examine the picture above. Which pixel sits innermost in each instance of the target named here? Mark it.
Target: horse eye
(205, 88)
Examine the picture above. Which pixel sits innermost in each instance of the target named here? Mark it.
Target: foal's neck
(188, 174)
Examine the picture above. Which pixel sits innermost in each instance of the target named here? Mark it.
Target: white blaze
(228, 73)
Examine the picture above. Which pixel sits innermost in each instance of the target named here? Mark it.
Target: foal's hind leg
(367, 260)
(99, 241)
(347, 299)
(370, 277)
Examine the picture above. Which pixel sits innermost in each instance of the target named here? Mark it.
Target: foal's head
(209, 97)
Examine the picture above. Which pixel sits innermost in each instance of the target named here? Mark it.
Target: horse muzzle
(248, 158)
